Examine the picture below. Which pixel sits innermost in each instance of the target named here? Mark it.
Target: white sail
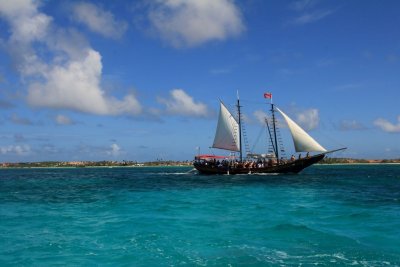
(303, 142)
(227, 134)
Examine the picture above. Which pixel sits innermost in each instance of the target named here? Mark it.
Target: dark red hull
(295, 166)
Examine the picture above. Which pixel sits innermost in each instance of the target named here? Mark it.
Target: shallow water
(327, 215)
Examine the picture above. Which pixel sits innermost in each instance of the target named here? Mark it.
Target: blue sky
(140, 80)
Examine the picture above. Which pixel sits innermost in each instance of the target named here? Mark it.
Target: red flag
(268, 95)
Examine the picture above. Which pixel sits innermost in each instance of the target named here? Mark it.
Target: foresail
(227, 134)
(303, 142)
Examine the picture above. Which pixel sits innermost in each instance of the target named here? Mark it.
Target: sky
(141, 80)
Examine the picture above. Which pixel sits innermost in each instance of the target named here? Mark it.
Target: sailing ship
(229, 135)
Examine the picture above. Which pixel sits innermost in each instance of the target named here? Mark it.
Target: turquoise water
(327, 215)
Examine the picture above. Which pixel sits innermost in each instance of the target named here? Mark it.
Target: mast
(240, 128)
(274, 128)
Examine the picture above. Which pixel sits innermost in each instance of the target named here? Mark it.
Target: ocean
(328, 215)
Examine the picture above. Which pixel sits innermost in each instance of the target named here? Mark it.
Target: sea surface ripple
(327, 215)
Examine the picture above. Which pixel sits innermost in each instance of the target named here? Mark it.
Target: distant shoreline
(134, 164)
(95, 167)
(94, 164)
(359, 163)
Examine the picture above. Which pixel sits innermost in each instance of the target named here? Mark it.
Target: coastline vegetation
(104, 163)
(328, 160)
(163, 163)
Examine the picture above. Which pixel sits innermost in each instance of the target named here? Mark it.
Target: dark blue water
(327, 215)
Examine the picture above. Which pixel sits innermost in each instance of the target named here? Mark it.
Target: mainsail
(227, 134)
(303, 142)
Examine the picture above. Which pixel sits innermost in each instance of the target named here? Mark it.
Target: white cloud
(20, 150)
(21, 121)
(191, 22)
(312, 16)
(308, 119)
(69, 75)
(114, 151)
(76, 86)
(308, 12)
(63, 120)
(302, 5)
(260, 116)
(67, 44)
(388, 126)
(99, 20)
(28, 25)
(180, 103)
(348, 125)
